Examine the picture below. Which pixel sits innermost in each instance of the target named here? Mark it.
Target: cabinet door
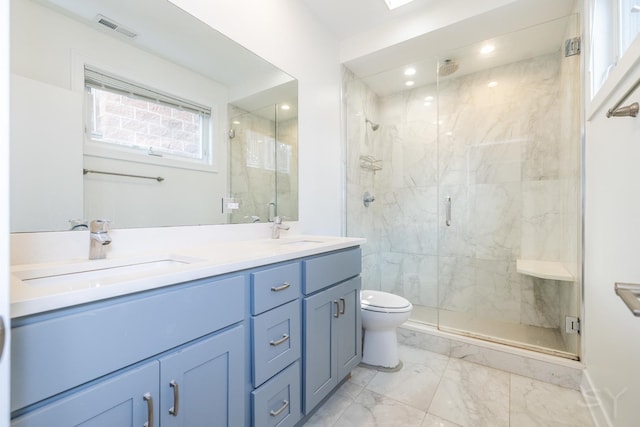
(320, 352)
(128, 399)
(203, 384)
(348, 327)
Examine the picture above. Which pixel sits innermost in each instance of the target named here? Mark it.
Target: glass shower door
(508, 160)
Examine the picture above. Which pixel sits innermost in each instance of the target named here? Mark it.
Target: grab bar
(630, 294)
(157, 178)
(629, 110)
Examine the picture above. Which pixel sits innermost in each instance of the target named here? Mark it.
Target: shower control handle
(448, 212)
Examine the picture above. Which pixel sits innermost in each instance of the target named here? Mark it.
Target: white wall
(612, 232)
(286, 34)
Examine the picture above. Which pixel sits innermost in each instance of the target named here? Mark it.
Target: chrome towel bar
(157, 178)
(630, 294)
(629, 110)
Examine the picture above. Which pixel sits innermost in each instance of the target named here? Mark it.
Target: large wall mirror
(137, 112)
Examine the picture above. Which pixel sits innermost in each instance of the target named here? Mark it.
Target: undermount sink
(98, 270)
(301, 242)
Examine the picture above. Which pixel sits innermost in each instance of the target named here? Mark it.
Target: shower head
(374, 126)
(447, 67)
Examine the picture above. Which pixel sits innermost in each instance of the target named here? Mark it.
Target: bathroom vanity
(255, 333)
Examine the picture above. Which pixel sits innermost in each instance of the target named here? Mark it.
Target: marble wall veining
(507, 156)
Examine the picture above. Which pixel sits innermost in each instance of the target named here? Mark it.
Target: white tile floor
(434, 390)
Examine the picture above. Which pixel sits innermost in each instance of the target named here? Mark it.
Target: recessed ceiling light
(492, 84)
(285, 107)
(409, 83)
(427, 104)
(410, 71)
(428, 98)
(392, 4)
(486, 49)
(236, 122)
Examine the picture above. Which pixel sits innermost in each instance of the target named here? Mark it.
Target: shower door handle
(448, 212)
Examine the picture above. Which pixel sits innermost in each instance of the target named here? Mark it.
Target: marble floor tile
(536, 403)
(331, 410)
(432, 421)
(461, 394)
(472, 395)
(371, 409)
(416, 383)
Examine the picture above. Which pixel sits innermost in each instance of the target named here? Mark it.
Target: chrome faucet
(99, 238)
(277, 226)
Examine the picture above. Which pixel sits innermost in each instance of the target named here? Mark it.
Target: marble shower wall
(509, 164)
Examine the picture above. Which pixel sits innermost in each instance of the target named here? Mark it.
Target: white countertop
(31, 296)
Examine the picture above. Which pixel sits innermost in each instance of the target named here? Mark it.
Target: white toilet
(382, 313)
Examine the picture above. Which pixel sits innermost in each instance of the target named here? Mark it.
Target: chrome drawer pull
(344, 306)
(630, 294)
(284, 338)
(337, 309)
(284, 406)
(176, 398)
(147, 397)
(282, 287)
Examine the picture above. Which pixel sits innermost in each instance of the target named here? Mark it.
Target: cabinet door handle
(284, 338)
(176, 398)
(337, 304)
(285, 404)
(282, 287)
(147, 397)
(448, 212)
(344, 306)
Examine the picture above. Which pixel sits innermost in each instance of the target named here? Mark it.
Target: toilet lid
(383, 301)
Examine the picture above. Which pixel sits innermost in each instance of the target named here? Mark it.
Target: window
(615, 25)
(629, 23)
(129, 117)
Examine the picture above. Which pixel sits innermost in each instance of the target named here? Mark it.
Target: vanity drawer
(277, 402)
(276, 340)
(327, 270)
(55, 352)
(274, 286)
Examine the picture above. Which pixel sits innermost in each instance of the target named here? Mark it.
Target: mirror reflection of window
(128, 116)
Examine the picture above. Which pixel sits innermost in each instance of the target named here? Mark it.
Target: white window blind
(100, 80)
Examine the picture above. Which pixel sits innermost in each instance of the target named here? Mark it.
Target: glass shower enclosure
(476, 178)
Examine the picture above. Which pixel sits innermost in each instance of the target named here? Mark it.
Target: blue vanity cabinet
(184, 346)
(276, 336)
(332, 323)
(126, 400)
(202, 385)
(197, 383)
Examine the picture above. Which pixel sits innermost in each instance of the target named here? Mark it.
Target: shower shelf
(370, 163)
(544, 269)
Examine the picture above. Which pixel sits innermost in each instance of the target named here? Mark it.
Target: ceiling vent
(113, 25)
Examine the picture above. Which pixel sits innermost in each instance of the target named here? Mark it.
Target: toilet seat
(383, 302)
